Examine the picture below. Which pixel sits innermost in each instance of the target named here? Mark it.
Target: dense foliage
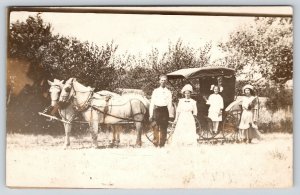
(54, 56)
(144, 73)
(264, 48)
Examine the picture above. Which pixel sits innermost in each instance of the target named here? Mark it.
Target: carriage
(202, 80)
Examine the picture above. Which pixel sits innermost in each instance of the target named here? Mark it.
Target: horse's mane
(82, 87)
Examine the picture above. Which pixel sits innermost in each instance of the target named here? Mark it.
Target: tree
(143, 73)
(265, 47)
(26, 40)
(52, 56)
(90, 64)
(180, 56)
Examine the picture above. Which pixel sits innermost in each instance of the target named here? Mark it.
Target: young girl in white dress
(216, 103)
(185, 129)
(247, 127)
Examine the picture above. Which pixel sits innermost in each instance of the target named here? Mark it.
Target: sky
(138, 34)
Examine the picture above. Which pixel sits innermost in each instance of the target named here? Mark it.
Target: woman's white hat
(248, 86)
(187, 87)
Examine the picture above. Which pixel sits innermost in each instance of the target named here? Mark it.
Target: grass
(275, 154)
(279, 121)
(78, 141)
(40, 161)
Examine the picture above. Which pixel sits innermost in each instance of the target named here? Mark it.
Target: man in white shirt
(160, 111)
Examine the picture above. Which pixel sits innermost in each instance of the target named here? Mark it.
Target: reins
(87, 104)
(118, 117)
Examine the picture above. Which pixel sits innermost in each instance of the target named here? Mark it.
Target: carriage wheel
(170, 130)
(150, 136)
(261, 130)
(206, 130)
(230, 126)
(198, 126)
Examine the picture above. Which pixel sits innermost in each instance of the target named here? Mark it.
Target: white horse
(66, 112)
(115, 128)
(106, 110)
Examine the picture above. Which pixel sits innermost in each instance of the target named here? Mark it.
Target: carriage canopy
(202, 80)
(190, 73)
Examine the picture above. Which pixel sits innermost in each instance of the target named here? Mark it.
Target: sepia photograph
(171, 97)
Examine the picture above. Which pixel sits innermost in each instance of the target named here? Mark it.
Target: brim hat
(187, 87)
(248, 87)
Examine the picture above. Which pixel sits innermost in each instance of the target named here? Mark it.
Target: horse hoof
(115, 142)
(95, 146)
(138, 145)
(111, 145)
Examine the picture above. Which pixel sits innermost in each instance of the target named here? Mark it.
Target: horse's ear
(49, 82)
(61, 84)
(70, 80)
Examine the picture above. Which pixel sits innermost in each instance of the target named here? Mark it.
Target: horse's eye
(68, 89)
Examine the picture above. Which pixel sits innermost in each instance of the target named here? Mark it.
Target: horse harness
(105, 112)
(85, 105)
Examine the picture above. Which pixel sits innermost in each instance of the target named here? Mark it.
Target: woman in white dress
(247, 127)
(216, 103)
(185, 129)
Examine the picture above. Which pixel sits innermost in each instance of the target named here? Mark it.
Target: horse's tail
(146, 122)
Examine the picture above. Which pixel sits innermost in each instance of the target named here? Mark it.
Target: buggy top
(202, 80)
(190, 73)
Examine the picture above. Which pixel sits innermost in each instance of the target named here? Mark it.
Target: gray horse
(66, 112)
(97, 109)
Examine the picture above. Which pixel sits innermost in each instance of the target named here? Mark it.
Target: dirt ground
(41, 161)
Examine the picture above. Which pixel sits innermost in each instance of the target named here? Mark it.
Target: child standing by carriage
(216, 103)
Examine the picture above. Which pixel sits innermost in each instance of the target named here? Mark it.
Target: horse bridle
(57, 87)
(66, 98)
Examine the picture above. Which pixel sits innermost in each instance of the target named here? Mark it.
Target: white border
(3, 18)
